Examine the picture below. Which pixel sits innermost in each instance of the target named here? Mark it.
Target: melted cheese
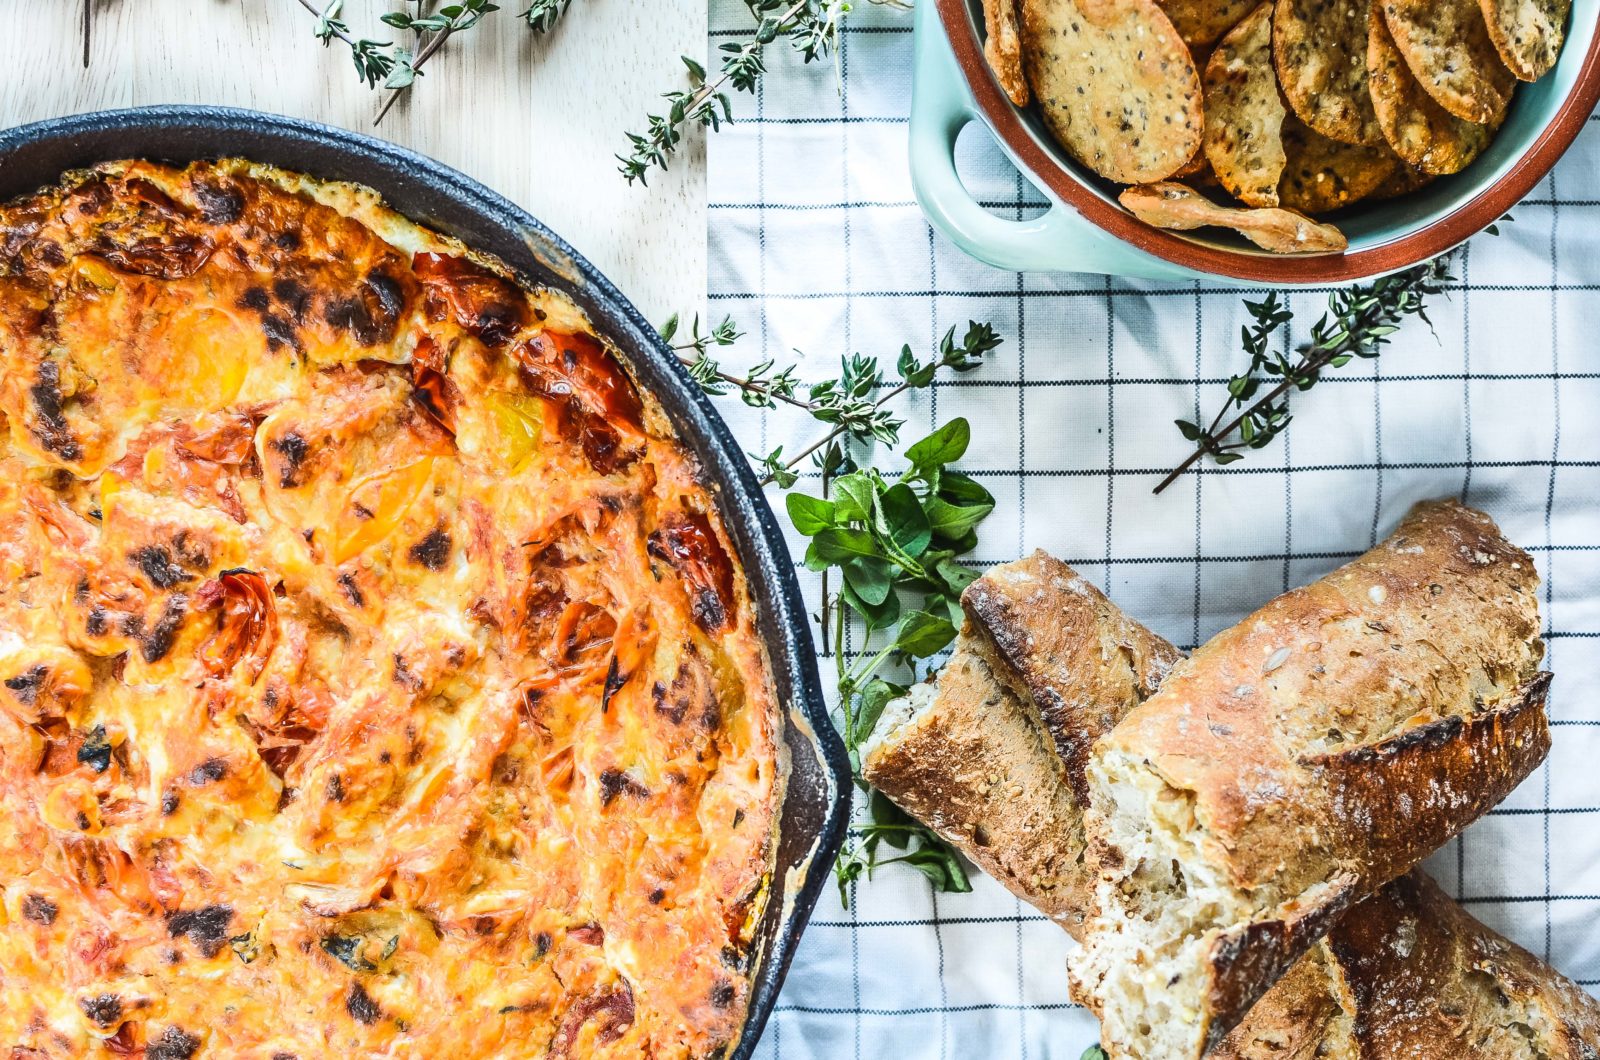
(376, 677)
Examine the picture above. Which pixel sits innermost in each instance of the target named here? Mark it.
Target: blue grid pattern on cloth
(817, 245)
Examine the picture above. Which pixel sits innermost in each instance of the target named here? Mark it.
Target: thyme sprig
(856, 415)
(395, 67)
(760, 387)
(374, 60)
(853, 403)
(1358, 323)
(448, 20)
(811, 26)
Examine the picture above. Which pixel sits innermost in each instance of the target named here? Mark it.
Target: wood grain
(537, 119)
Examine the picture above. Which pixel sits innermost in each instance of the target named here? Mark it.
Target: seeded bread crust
(1422, 972)
(1068, 653)
(968, 762)
(1409, 973)
(974, 760)
(1304, 1016)
(1297, 763)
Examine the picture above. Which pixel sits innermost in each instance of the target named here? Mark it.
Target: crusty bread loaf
(963, 757)
(1410, 975)
(1297, 763)
(1067, 652)
(972, 760)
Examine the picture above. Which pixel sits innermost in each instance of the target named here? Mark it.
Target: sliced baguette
(1297, 763)
(1410, 974)
(962, 757)
(1069, 654)
(971, 758)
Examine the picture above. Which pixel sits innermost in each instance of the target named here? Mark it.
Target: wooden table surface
(537, 119)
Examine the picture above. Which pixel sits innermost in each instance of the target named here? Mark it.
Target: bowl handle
(1059, 240)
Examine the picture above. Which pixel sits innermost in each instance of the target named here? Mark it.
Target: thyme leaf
(542, 15)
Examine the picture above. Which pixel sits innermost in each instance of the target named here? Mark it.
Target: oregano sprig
(896, 543)
(893, 543)
(1358, 323)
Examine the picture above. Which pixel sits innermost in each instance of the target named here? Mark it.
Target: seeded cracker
(1405, 180)
(1446, 43)
(1324, 174)
(1002, 48)
(1319, 48)
(1244, 113)
(1201, 22)
(1527, 33)
(1117, 87)
(1168, 205)
(1421, 132)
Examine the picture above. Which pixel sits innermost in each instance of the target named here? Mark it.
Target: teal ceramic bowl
(1085, 230)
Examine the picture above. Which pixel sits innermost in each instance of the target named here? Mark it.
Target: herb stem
(1305, 367)
(742, 65)
(710, 88)
(1358, 323)
(434, 44)
(835, 433)
(740, 381)
(335, 30)
(823, 624)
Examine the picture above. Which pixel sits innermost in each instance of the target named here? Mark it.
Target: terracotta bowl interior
(1543, 119)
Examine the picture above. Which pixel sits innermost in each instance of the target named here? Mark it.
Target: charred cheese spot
(432, 551)
(174, 1043)
(360, 1005)
(49, 424)
(103, 1009)
(39, 909)
(207, 927)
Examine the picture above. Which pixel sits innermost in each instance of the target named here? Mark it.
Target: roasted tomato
(433, 390)
(687, 543)
(141, 230)
(247, 622)
(488, 307)
(596, 402)
(611, 1012)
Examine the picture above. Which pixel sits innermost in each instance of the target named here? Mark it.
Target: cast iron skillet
(817, 805)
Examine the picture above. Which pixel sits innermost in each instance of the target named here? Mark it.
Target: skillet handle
(1059, 240)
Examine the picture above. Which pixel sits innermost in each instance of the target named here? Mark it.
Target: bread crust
(1303, 1017)
(1381, 649)
(974, 768)
(1463, 766)
(980, 766)
(1335, 738)
(1072, 656)
(1409, 973)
